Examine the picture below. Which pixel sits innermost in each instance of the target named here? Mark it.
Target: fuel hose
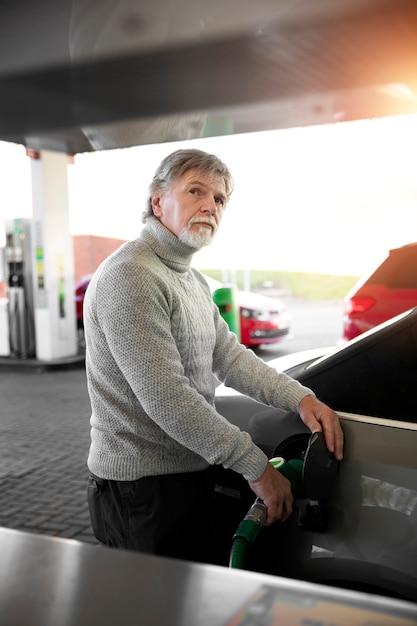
(255, 518)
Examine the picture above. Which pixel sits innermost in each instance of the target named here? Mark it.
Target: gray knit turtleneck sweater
(154, 342)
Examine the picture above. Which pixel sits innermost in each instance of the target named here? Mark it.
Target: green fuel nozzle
(310, 478)
(255, 518)
(293, 471)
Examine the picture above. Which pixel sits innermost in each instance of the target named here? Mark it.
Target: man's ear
(156, 205)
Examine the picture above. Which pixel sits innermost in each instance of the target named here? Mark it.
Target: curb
(15, 364)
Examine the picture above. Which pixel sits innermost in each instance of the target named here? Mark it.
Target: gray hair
(178, 163)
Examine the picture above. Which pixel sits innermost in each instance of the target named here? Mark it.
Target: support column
(53, 258)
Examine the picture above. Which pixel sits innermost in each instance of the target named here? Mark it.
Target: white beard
(197, 238)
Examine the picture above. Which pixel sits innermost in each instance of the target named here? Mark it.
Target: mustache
(204, 220)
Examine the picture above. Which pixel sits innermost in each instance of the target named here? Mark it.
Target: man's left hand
(319, 417)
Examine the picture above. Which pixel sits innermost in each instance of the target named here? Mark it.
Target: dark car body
(388, 291)
(363, 535)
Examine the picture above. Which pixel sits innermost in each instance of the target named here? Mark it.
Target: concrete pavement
(44, 440)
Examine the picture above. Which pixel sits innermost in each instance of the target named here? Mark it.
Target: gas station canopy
(81, 75)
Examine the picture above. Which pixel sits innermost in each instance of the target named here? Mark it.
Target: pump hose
(238, 553)
(255, 518)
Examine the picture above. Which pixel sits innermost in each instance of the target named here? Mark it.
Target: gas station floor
(44, 441)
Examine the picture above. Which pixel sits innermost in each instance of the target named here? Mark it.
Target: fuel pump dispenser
(20, 294)
(311, 479)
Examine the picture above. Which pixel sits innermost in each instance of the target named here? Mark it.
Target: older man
(155, 343)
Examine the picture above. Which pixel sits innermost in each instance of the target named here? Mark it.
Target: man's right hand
(275, 491)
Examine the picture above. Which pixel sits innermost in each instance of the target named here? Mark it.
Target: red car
(390, 290)
(80, 289)
(262, 319)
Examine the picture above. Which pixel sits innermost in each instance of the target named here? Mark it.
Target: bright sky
(330, 199)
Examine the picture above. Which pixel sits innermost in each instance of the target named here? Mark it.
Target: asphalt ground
(44, 440)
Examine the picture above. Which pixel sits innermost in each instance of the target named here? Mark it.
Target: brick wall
(90, 251)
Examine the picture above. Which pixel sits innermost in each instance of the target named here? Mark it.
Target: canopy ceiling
(89, 75)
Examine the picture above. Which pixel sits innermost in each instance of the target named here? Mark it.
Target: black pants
(170, 515)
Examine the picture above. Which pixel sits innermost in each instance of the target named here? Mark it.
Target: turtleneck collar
(174, 253)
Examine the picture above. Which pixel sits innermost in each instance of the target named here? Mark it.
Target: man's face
(192, 207)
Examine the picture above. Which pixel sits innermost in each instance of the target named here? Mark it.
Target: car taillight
(358, 304)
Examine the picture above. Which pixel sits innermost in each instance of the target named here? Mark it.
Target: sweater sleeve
(144, 349)
(240, 368)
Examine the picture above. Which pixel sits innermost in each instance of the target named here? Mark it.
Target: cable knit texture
(155, 343)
